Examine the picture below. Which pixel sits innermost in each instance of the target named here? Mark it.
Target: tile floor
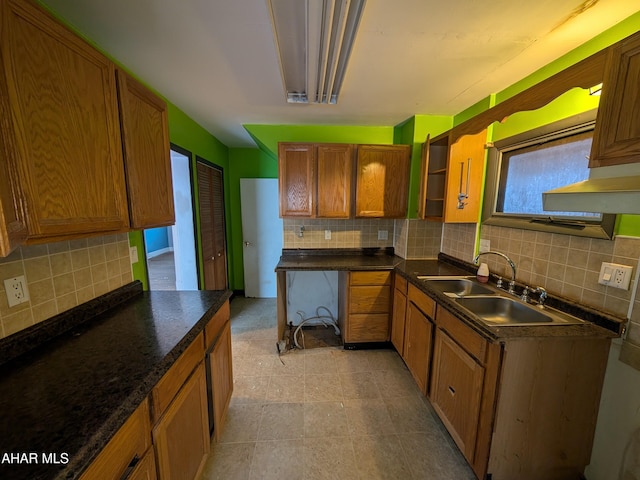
(324, 413)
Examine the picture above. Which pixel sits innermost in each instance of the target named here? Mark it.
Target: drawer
(370, 299)
(216, 324)
(400, 283)
(368, 328)
(370, 278)
(423, 301)
(472, 342)
(168, 386)
(131, 441)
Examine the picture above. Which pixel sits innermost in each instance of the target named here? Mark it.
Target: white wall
(618, 421)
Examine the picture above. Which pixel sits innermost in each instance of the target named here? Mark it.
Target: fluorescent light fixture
(314, 39)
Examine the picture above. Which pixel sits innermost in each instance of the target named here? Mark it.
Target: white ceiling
(216, 59)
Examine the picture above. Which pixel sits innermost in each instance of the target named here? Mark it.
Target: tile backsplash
(564, 264)
(417, 239)
(358, 233)
(62, 275)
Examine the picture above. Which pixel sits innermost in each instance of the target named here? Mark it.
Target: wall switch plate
(383, 234)
(16, 290)
(133, 253)
(485, 246)
(615, 275)
(327, 234)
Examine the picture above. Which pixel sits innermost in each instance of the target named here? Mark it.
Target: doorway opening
(171, 251)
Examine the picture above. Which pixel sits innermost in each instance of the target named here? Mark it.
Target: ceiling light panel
(314, 39)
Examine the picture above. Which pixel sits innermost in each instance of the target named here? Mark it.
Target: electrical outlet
(133, 253)
(485, 246)
(16, 290)
(615, 275)
(383, 234)
(327, 234)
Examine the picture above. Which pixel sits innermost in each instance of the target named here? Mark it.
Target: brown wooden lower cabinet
(145, 469)
(399, 313)
(181, 437)
(365, 306)
(417, 351)
(125, 448)
(518, 408)
(221, 379)
(456, 391)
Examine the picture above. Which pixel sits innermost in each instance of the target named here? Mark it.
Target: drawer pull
(452, 390)
(132, 465)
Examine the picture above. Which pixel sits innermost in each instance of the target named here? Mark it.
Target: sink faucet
(512, 283)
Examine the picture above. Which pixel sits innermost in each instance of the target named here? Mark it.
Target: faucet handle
(542, 296)
(498, 280)
(525, 294)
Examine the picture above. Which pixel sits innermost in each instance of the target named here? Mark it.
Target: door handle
(246, 244)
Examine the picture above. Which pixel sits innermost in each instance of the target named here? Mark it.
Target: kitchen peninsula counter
(597, 323)
(68, 396)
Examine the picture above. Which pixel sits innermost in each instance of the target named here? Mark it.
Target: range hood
(614, 189)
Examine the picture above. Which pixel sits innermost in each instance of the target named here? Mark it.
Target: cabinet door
(456, 391)
(221, 378)
(13, 229)
(334, 179)
(125, 449)
(64, 125)
(181, 438)
(465, 172)
(296, 173)
(382, 180)
(418, 335)
(145, 469)
(398, 320)
(145, 137)
(616, 139)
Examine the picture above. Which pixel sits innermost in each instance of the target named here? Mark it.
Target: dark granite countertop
(598, 323)
(336, 259)
(72, 393)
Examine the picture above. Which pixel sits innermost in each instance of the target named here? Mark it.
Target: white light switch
(383, 235)
(327, 234)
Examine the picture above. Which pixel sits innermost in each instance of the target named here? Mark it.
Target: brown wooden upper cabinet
(61, 143)
(145, 140)
(315, 179)
(616, 139)
(296, 174)
(63, 127)
(451, 178)
(382, 180)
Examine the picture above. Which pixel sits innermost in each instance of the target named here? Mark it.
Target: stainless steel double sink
(492, 307)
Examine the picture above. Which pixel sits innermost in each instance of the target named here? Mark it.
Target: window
(524, 166)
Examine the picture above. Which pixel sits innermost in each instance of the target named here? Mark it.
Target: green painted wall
(244, 163)
(571, 103)
(268, 136)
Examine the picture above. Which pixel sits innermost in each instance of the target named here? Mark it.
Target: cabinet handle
(464, 194)
(132, 465)
(452, 390)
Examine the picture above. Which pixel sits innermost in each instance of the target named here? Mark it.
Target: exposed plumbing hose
(331, 322)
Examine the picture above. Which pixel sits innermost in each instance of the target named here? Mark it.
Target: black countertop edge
(82, 459)
(365, 251)
(32, 337)
(592, 315)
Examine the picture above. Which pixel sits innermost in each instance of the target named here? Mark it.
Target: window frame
(602, 228)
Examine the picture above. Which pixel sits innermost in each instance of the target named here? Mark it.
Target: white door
(261, 235)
